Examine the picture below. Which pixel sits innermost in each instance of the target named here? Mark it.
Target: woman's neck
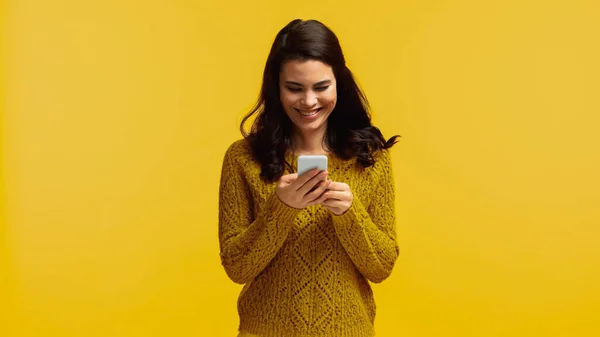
(310, 143)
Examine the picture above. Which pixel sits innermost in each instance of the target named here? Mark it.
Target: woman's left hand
(338, 198)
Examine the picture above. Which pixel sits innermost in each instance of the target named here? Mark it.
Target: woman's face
(308, 93)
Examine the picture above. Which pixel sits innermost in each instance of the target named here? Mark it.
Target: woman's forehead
(306, 71)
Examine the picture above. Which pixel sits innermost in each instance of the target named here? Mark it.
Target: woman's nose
(310, 98)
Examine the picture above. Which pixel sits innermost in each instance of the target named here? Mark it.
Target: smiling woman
(306, 246)
(308, 95)
(306, 70)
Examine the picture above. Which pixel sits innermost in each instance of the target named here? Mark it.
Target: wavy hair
(349, 134)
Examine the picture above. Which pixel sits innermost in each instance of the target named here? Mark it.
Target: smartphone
(309, 162)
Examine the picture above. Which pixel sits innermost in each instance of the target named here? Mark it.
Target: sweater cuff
(279, 211)
(355, 214)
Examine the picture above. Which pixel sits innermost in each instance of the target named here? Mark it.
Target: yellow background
(116, 115)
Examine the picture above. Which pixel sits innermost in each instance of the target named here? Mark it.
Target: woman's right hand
(302, 191)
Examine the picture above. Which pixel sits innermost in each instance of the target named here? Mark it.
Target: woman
(306, 246)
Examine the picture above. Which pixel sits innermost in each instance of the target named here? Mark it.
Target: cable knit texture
(306, 272)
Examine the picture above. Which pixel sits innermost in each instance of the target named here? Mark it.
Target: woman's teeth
(309, 113)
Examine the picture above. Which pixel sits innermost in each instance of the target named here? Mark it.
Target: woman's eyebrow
(316, 84)
(322, 83)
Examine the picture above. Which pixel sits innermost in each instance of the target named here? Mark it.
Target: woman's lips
(308, 113)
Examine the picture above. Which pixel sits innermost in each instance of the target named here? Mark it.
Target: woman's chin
(310, 127)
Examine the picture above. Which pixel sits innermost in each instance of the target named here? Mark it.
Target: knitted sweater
(306, 272)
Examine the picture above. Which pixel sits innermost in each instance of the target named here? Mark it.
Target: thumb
(289, 178)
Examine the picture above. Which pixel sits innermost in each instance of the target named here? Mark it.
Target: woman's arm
(369, 235)
(248, 244)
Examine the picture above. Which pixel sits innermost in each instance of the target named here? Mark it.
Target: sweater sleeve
(248, 244)
(369, 235)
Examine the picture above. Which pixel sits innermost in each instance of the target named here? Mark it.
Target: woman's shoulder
(239, 146)
(239, 151)
(383, 156)
(383, 162)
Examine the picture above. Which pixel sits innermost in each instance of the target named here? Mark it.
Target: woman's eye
(294, 89)
(321, 88)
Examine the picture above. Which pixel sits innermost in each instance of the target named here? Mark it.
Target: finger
(319, 190)
(333, 203)
(319, 200)
(303, 178)
(337, 186)
(338, 195)
(312, 183)
(289, 178)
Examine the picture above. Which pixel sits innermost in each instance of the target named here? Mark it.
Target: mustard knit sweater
(306, 272)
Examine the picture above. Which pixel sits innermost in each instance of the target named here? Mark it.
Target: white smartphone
(309, 162)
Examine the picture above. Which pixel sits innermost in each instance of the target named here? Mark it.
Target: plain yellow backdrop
(116, 116)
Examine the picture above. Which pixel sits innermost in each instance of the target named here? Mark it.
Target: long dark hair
(349, 131)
